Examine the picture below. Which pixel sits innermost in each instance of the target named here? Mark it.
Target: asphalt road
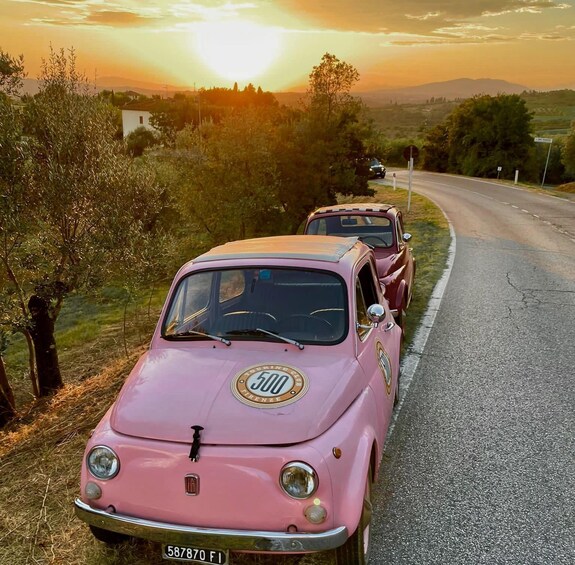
(480, 467)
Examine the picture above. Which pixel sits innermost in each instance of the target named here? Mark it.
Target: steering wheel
(305, 323)
(378, 240)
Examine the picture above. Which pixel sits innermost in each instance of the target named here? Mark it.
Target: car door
(377, 346)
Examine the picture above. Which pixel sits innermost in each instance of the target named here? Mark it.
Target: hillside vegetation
(553, 114)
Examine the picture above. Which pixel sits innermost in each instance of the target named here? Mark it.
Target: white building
(132, 119)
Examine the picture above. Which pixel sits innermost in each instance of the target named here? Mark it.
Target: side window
(365, 296)
(192, 297)
(361, 310)
(317, 227)
(232, 285)
(399, 231)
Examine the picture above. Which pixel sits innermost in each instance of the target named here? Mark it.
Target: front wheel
(357, 548)
(401, 317)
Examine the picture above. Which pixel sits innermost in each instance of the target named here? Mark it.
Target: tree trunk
(7, 408)
(31, 362)
(42, 332)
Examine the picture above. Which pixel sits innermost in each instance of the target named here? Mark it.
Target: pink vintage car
(381, 227)
(256, 421)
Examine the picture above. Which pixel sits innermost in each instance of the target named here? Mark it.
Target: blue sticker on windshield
(265, 274)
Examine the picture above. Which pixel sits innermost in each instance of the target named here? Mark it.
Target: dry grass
(569, 188)
(39, 472)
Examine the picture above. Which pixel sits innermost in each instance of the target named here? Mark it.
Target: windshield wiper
(257, 331)
(203, 334)
(286, 339)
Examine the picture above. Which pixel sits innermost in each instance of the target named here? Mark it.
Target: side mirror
(376, 313)
(406, 237)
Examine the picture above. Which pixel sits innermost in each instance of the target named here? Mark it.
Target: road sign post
(548, 140)
(410, 153)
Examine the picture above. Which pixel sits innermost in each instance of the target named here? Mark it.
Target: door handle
(389, 326)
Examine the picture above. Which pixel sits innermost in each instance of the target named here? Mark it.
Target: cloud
(408, 16)
(55, 3)
(116, 18)
(417, 20)
(166, 14)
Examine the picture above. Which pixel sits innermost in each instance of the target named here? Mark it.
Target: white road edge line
(411, 359)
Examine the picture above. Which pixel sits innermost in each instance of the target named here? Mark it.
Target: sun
(237, 50)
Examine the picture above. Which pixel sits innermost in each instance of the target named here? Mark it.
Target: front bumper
(235, 540)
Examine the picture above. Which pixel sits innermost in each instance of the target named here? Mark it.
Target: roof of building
(153, 105)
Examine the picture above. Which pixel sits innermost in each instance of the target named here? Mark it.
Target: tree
(15, 205)
(7, 404)
(568, 154)
(330, 83)
(11, 73)
(76, 209)
(436, 149)
(484, 133)
(227, 177)
(322, 149)
(141, 139)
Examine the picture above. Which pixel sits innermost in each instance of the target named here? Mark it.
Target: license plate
(195, 554)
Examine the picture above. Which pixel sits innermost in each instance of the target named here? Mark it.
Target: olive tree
(14, 221)
(7, 404)
(11, 73)
(76, 208)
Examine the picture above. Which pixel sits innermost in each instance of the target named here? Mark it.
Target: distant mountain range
(450, 90)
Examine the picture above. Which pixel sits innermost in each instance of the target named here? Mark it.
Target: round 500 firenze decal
(269, 386)
(385, 366)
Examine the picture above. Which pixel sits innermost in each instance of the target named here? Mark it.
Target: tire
(396, 395)
(108, 537)
(357, 548)
(401, 317)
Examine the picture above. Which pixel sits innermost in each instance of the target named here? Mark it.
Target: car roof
(326, 248)
(355, 207)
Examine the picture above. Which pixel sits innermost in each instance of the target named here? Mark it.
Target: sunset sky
(275, 43)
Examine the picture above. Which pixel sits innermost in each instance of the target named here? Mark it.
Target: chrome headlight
(102, 462)
(298, 480)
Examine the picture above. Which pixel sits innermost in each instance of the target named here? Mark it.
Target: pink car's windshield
(376, 231)
(305, 305)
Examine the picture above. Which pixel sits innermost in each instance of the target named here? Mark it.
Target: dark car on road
(377, 170)
(381, 227)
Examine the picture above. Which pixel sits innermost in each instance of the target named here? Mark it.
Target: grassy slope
(40, 455)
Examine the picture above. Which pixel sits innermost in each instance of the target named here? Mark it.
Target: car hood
(170, 390)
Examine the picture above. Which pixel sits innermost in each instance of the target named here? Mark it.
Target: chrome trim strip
(235, 540)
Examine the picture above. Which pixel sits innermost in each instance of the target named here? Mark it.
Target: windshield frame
(167, 318)
(314, 223)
